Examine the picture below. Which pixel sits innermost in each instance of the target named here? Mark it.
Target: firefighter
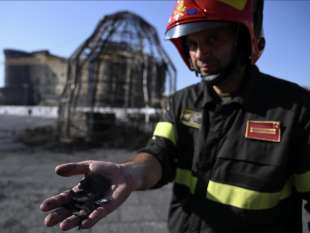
(235, 145)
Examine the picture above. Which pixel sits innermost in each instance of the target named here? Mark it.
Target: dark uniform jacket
(239, 165)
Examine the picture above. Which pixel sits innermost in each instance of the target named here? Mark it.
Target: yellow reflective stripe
(245, 198)
(235, 196)
(186, 178)
(302, 182)
(287, 190)
(165, 130)
(237, 4)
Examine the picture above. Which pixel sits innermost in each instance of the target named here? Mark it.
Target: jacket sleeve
(302, 166)
(162, 145)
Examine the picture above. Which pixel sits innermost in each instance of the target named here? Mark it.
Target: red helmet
(191, 16)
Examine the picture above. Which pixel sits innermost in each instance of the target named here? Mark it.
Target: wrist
(143, 171)
(133, 175)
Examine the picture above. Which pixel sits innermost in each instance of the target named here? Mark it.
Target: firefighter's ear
(261, 43)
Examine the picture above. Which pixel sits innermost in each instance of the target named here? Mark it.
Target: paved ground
(27, 177)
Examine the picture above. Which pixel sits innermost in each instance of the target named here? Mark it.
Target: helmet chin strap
(211, 77)
(214, 79)
(232, 69)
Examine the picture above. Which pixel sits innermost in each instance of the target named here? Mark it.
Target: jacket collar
(206, 95)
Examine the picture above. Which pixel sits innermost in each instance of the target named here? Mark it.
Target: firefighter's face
(211, 50)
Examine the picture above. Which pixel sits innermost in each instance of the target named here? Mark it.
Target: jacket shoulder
(187, 90)
(283, 91)
(184, 97)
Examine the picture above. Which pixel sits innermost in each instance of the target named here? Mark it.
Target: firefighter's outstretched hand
(82, 208)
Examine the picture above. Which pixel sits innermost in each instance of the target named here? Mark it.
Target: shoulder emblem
(191, 118)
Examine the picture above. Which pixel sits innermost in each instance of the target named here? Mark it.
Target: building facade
(33, 78)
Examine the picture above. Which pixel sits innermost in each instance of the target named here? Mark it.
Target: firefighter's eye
(191, 45)
(212, 39)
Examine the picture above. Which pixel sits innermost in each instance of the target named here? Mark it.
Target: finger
(95, 216)
(57, 216)
(71, 169)
(118, 197)
(102, 167)
(70, 222)
(55, 201)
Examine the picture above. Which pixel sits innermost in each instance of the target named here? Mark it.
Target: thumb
(72, 169)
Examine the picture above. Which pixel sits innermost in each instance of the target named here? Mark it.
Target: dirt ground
(27, 177)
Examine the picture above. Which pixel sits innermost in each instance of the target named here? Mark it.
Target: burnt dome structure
(120, 70)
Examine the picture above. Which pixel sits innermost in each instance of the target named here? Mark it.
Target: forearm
(143, 171)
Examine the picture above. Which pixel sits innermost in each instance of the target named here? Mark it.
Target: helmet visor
(189, 28)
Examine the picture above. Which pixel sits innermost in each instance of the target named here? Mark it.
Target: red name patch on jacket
(263, 130)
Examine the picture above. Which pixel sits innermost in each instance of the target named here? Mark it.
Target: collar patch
(191, 118)
(263, 130)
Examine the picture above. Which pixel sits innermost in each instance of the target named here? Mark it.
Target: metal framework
(120, 67)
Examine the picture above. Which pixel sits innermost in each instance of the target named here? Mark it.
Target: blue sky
(61, 26)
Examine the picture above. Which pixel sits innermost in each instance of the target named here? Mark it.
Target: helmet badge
(179, 10)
